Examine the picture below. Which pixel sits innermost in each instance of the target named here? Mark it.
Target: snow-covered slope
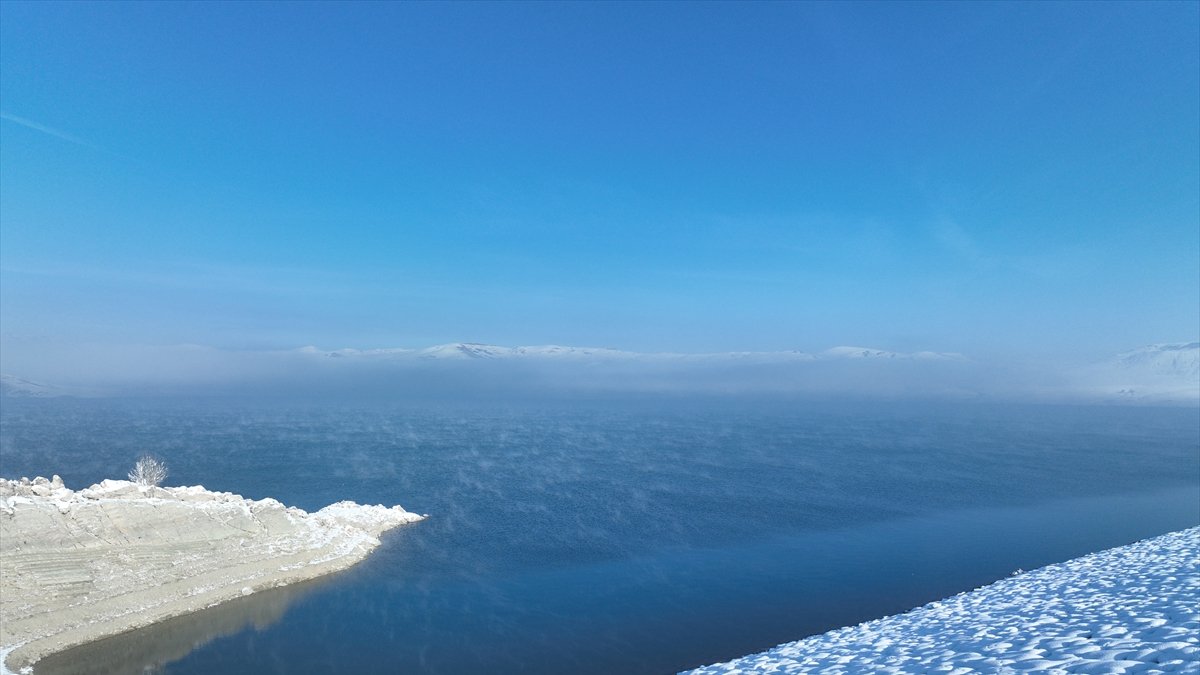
(869, 353)
(471, 350)
(15, 387)
(1177, 361)
(464, 350)
(1132, 609)
(1160, 373)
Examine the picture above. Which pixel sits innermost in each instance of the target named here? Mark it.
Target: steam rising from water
(643, 538)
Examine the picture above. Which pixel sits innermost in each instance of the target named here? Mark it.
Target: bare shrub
(148, 471)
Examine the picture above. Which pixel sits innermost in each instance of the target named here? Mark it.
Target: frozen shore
(1131, 609)
(76, 566)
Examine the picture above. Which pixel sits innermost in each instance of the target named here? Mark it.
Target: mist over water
(644, 536)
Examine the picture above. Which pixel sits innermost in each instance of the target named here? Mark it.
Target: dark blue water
(606, 538)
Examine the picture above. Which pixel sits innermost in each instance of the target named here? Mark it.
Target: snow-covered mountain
(1158, 373)
(868, 353)
(1179, 360)
(12, 386)
(1167, 373)
(459, 351)
(471, 350)
(465, 350)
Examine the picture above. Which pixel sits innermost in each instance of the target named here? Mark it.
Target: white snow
(869, 353)
(1179, 360)
(4, 652)
(12, 386)
(1159, 373)
(472, 350)
(81, 565)
(1131, 609)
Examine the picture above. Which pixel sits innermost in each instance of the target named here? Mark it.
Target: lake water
(622, 538)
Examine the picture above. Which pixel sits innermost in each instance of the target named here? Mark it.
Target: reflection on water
(149, 649)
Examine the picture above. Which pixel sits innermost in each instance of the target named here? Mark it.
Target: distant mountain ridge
(12, 386)
(474, 350)
(1181, 359)
(868, 353)
(1163, 373)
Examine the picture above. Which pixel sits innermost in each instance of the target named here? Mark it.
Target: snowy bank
(1131, 609)
(76, 566)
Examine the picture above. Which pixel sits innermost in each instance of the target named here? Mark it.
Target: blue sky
(1019, 180)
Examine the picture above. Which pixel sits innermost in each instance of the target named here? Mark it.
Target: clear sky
(1019, 179)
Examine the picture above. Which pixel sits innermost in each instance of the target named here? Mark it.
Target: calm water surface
(603, 538)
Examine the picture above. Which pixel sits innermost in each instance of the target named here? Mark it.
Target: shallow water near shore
(600, 538)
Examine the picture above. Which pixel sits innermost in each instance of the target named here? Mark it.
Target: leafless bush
(148, 471)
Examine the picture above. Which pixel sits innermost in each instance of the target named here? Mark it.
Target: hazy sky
(1012, 179)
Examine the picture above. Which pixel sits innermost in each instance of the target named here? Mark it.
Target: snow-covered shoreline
(1133, 608)
(76, 566)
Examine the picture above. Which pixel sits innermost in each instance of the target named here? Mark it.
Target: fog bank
(1164, 373)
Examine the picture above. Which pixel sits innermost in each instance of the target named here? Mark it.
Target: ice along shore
(1131, 609)
(77, 566)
